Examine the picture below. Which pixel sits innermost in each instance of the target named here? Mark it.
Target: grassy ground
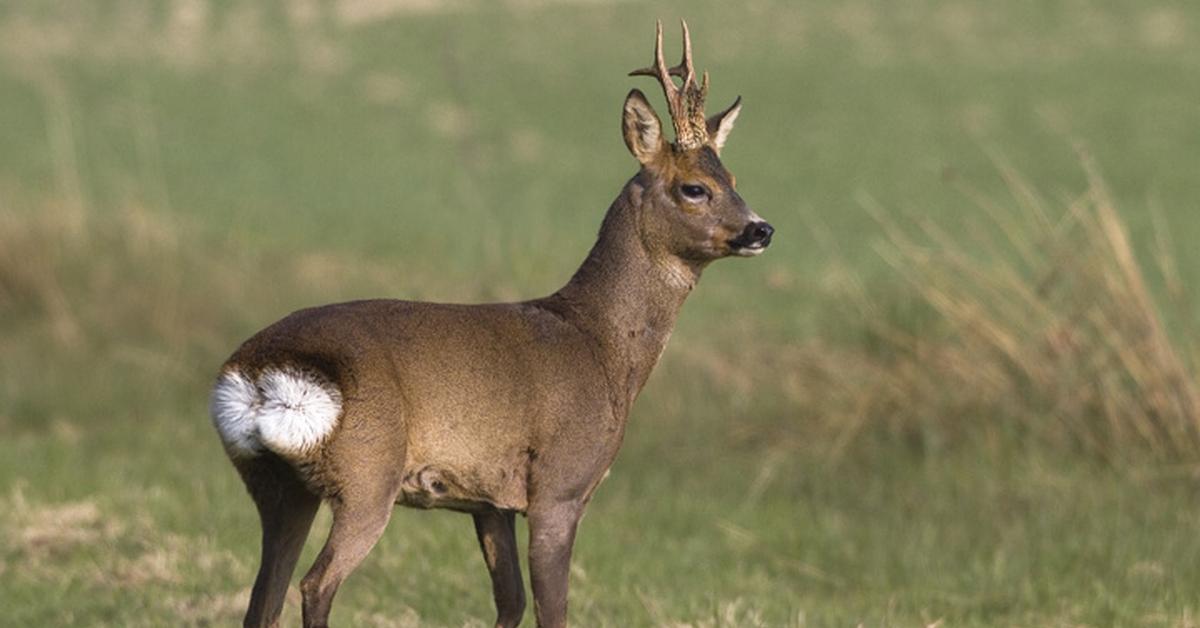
(861, 426)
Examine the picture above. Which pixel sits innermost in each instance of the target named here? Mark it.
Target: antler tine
(685, 69)
(659, 69)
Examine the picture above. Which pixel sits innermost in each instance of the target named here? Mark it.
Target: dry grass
(80, 277)
(72, 543)
(1040, 322)
(1048, 319)
(37, 532)
(41, 534)
(185, 35)
(728, 613)
(144, 289)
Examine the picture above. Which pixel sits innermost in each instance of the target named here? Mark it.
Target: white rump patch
(233, 408)
(287, 411)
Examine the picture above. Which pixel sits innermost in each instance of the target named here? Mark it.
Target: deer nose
(757, 234)
(760, 232)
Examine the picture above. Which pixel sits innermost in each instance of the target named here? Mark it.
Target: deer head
(691, 208)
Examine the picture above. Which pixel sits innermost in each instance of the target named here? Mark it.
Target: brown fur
(489, 409)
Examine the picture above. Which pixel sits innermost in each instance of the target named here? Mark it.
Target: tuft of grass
(89, 545)
(1037, 320)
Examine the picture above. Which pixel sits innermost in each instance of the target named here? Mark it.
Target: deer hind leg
(498, 540)
(286, 509)
(359, 519)
(551, 536)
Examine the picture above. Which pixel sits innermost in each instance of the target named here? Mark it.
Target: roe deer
(492, 409)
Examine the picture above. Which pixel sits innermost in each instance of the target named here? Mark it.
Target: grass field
(959, 390)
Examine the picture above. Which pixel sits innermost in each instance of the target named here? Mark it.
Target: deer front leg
(497, 538)
(551, 535)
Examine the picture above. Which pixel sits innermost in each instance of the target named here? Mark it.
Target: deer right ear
(721, 124)
(642, 130)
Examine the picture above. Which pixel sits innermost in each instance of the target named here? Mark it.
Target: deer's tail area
(287, 410)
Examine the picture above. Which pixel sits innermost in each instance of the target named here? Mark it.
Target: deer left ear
(719, 125)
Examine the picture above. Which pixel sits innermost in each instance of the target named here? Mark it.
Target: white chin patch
(286, 410)
(749, 251)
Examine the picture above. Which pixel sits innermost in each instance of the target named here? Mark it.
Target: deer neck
(627, 298)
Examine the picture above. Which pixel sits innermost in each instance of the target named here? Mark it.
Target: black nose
(758, 233)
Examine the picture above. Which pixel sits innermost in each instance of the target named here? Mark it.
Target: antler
(686, 102)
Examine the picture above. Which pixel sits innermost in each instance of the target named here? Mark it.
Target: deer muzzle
(754, 239)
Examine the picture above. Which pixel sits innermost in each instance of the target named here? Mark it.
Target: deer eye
(693, 192)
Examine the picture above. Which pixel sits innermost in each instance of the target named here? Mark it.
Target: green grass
(881, 539)
(172, 181)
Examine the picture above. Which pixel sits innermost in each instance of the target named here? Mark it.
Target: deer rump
(461, 413)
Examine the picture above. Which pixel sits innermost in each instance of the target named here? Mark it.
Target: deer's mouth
(748, 250)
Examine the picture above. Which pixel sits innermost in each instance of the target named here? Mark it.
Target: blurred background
(959, 389)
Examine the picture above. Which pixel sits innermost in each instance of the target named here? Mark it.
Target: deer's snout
(759, 233)
(753, 239)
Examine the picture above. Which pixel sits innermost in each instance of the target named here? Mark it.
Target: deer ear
(721, 124)
(642, 130)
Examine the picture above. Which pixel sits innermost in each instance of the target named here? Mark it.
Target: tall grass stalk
(1042, 319)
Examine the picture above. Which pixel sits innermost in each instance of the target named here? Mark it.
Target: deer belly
(466, 487)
